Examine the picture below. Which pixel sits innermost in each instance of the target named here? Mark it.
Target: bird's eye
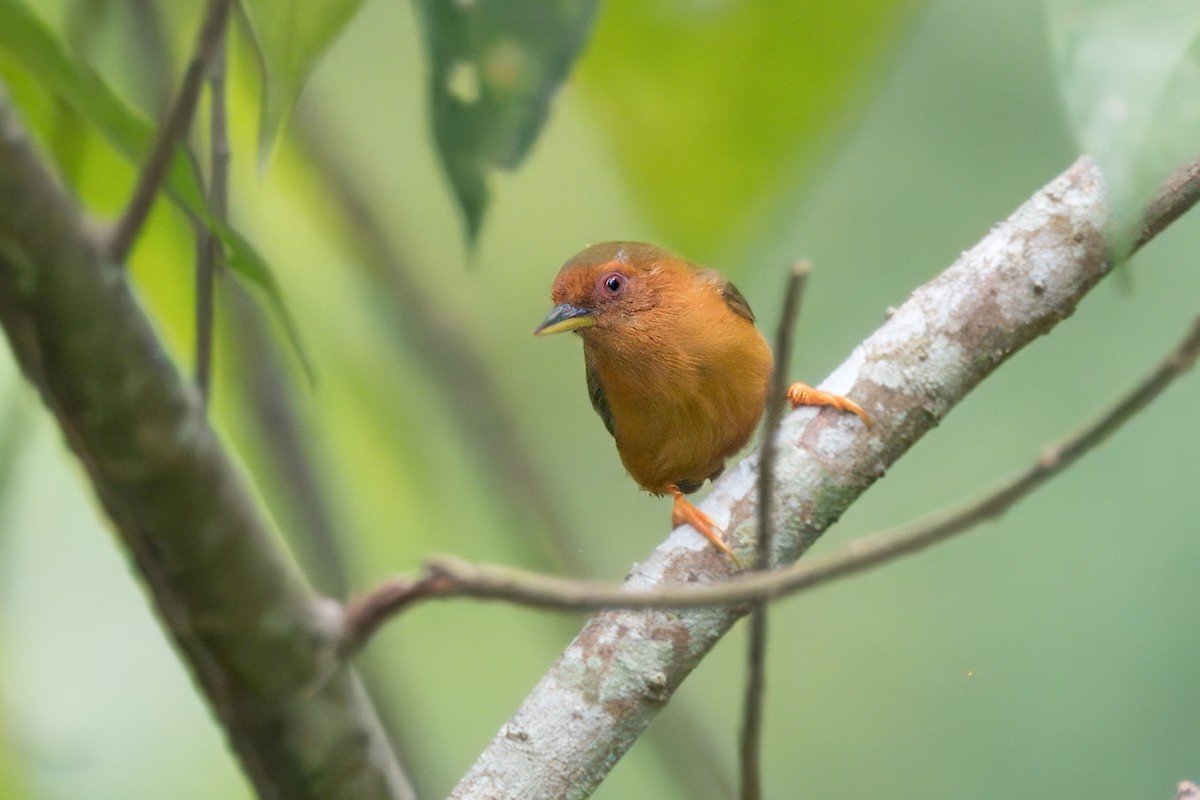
(614, 283)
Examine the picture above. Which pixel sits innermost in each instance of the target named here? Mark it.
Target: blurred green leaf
(494, 67)
(1130, 77)
(27, 39)
(290, 37)
(716, 108)
(31, 43)
(245, 260)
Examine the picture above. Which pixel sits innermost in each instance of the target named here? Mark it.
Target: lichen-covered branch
(1021, 280)
(259, 642)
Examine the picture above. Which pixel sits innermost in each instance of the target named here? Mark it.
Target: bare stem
(1178, 194)
(750, 750)
(752, 709)
(774, 410)
(208, 249)
(174, 127)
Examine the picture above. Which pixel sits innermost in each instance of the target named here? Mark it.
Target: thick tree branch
(259, 642)
(1021, 280)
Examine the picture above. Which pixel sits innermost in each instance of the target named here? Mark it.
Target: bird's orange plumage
(675, 365)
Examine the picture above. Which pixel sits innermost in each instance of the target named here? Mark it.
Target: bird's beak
(565, 317)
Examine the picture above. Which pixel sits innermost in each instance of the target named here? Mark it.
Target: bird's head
(606, 286)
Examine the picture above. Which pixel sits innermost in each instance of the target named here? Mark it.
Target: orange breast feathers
(676, 368)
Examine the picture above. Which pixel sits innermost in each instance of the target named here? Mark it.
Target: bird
(675, 366)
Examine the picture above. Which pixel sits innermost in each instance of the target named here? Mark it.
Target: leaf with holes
(494, 68)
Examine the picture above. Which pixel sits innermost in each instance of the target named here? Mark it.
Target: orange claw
(684, 512)
(801, 394)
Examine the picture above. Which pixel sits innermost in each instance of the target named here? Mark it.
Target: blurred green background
(1048, 654)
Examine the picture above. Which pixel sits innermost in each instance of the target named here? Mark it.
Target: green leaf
(35, 46)
(290, 37)
(494, 67)
(245, 260)
(704, 100)
(28, 41)
(1130, 76)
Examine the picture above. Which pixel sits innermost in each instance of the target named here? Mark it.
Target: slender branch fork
(174, 127)
(447, 576)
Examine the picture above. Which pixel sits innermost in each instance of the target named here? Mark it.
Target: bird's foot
(801, 394)
(684, 512)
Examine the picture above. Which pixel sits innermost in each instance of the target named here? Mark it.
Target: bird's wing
(596, 394)
(730, 294)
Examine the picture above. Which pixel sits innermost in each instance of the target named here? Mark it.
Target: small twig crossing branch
(752, 709)
(774, 410)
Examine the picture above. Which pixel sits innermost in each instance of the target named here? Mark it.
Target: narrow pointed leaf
(245, 260)
(290, 38)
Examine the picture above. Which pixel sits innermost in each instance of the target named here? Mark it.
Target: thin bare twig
(208, 249)
(1177, 194)
(174, 128)
(774, 410)
(206, 258)
(750, 739)
(752, 708)
(449, 577)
